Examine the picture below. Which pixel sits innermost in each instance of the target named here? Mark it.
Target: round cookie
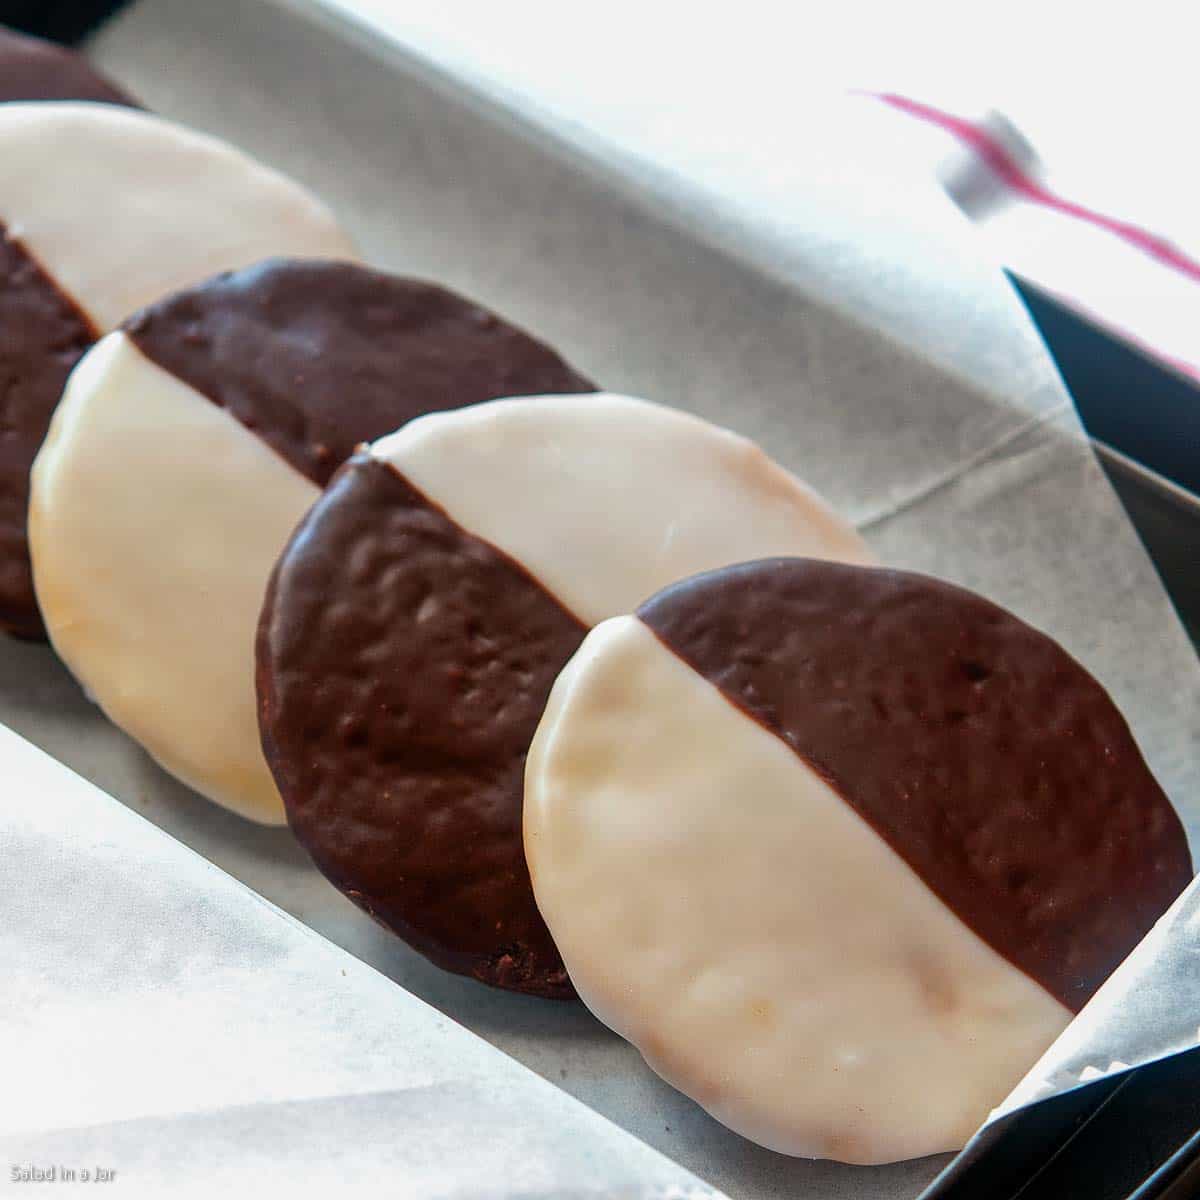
(33, 69)
(420, 614)
(840, 849)
(187, 446)
(104, 209)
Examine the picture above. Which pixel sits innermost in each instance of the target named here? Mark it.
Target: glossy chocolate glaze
(32, 69)
(985, 756)
(315, 357)
(403, 666)
(42, 336)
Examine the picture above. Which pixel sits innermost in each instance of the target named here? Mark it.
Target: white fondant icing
(121, 207)
(606, 499)
(720, 906)
(155, 522)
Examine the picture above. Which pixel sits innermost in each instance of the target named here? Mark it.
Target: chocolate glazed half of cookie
(398, 767)
(44, 336)
(975, 746)
(33, 69)
(45, 332)
(315, 356)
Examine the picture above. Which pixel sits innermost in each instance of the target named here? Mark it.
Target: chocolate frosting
(43, 336)
(316, 356)
(984, 755)
(403, 666)
(31, 69)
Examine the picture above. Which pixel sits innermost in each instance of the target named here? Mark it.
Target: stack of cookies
(578, 694)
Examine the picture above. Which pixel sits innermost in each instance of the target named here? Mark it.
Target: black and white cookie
(188, 445)
(33, 69)
(841, 850)
(421, 612)
(102, 210)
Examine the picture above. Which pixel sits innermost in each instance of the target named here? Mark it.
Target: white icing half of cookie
(606, 499)
(155, 522)
(120, 207)
(716, 903)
